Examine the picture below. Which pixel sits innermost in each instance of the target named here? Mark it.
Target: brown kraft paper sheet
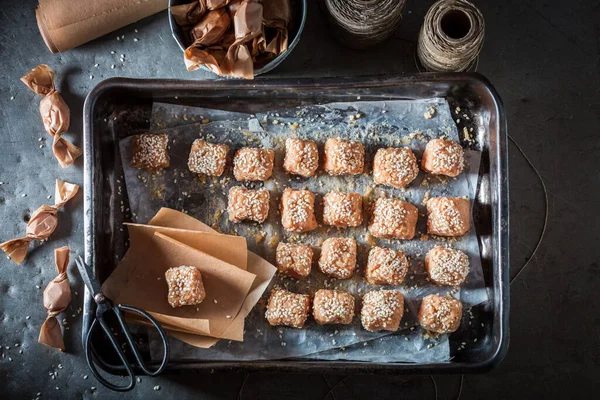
(152, 253)
(263, 270)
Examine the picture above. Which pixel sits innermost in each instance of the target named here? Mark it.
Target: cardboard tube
(65, 24)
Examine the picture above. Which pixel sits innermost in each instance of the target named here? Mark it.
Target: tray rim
(139, 86)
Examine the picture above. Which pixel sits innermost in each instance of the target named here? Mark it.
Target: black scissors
(104, 305)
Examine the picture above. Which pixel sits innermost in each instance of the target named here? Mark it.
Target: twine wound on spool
(451, 36)
(361, 24)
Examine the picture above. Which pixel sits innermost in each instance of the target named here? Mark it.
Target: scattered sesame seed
(156, 388)
(135, 39)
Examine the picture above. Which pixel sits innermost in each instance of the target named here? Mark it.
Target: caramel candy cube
(440, 314)
(448, 267)
(298, 210)
(386, 266)
(333, 307)
(396, 167)
(344, 157)
(338, 257)
(301, 157)
(208, 158)
(342, 210)
(185, 286)
(294, 260)
(443, 157)
(448, 216)
(247, 204)
(393, 219)
(287, 308)
(382, 310)
(149, 151)
(253, 164)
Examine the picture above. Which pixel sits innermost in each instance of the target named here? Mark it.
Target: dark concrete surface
(544, 59)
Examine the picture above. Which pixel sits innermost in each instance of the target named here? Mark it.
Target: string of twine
(437, 50)
(364, 23)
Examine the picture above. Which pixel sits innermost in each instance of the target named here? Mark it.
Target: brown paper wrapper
(188, 14)
(65, 24)
(55, 113)
(42, 223)
(57, 297)
(263, 270)
(211, 28)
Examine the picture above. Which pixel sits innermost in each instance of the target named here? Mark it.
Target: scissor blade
(88, 277)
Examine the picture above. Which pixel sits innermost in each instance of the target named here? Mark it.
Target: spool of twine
(361, 24)
(451, 36)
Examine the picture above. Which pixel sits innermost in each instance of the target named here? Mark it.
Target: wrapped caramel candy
(55, 113)
(57, 297)
(42, 223)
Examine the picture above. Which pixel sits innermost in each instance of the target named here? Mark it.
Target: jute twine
(451, 36)
(362, 24)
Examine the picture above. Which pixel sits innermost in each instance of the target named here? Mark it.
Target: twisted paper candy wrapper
(57, 297)
(56, 115)
(42, 223)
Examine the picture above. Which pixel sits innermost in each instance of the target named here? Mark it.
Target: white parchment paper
(375, 124)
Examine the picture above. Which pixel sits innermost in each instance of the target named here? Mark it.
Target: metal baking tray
(128, 102)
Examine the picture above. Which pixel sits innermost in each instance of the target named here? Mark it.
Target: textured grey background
(544, 59)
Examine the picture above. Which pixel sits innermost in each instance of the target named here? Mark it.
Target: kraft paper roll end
(44, 31)
(65, 24)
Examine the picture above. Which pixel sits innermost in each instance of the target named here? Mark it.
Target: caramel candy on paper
(57, 297)
(55, 113)
(42, 223)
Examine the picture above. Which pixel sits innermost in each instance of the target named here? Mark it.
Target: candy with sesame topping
(298, 210)
(208, 158)
(448, 267)
(393, 219)
(149, 151)
(253, 164)
(246, 204)
(395, 167)
(440, 314)
(443, 157)
(448, 216)
(338, 257)
(382, 310)
(185, 286)
(333, 307)
(301, 157)
(386, 266)
(342, 209)
(344, 157)
(287, 308)
(294, 260)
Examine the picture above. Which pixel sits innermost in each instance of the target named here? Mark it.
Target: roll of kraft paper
(65, 24)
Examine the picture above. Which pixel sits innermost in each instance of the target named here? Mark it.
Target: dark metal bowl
(295, 29)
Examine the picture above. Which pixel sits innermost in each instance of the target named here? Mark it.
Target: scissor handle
(92, 358)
